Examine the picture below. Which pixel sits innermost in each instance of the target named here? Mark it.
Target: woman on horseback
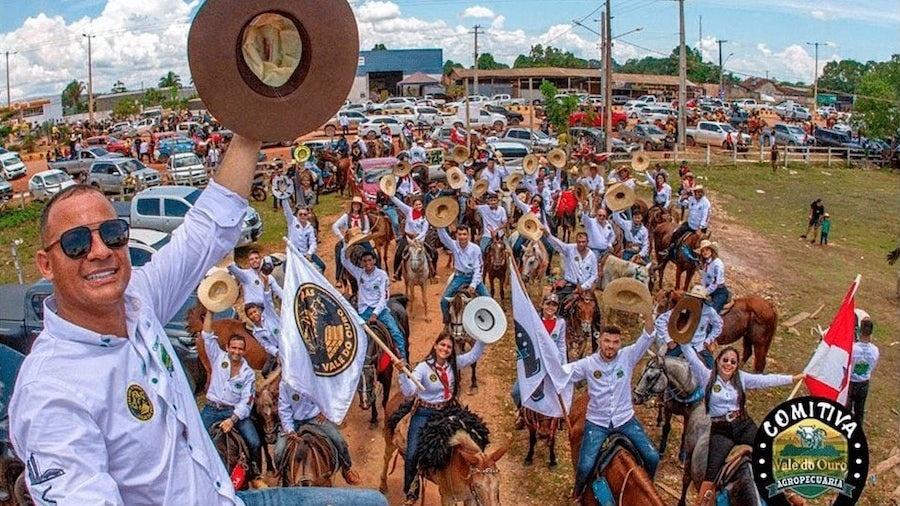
(354, 218)
(713, 275)
(726, 405)
(414, 228)
(662, 192)
(439, 373)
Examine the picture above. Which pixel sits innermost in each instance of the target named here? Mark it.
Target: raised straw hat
(619, 196)
(218, 291)
(557, 158)
(455, 177)
(531, 164)
(459, 154)
(512, 181)
(388, 184)
(529, 227)
(640, 161)
(628, 294)
(442, 212)
(480, 188)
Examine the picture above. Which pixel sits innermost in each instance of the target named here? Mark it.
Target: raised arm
(211, 346)
(621, 222)
(755, 381)
(470, 357)
(698, 368)
(554, 241)
(576, 370)
(521, 206)
(289, 217)
(637, 350)
(348, 264)
(339, 226)
(405, 209)
(447, 241)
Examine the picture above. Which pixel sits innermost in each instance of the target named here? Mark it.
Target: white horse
(416, 271)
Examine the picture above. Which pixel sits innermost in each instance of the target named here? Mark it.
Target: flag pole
(795, 390)
(368, 330)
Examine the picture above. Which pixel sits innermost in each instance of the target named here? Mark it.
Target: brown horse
(540, 427)
(657, 215)
(580, 323)
(626, 478)
(223, 329)
(343, 164)
(684, 267)
(496, 266)
(752, 319)
(309, 460)
(462, 341)
(380, 235)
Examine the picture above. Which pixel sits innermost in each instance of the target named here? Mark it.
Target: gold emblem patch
(717, 388)
(296, 397)
(138, 402)
(598, 374)
(433, 378)
(327, 330)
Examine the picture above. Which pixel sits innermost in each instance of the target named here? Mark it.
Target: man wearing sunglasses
(102, 411)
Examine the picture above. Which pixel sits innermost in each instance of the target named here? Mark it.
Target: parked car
(110, 143)
(6, 191)
(12, 165)
(441, 134)
(647, 135)
(172, 146)
(643, 99)
(619, 99)
(163, 208)
(596, 119)
(790, 110)
(47, 183)
(512, 152)
(634, 110)
(512, 117)
(121, 175)
(479, 117)
(713, 134)
(188, 128)
(143, 243)
(186, 168)
(372, 170)
(654, 113)
(372, 126)
(596, 136)
(334, 124)
(782, 133)
(82, 161)
(539, 140)
(834, 139)
(145, 125)
(430, 116)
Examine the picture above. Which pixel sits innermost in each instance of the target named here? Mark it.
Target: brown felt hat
(273, 70)
(628, 294)
(685, 319)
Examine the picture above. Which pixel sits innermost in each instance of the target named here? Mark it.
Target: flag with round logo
(322, 345)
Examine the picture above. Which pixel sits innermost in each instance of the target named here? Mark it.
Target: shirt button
(154, 380)
(218, 484)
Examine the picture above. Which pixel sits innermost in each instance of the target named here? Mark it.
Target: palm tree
(170, 80)
(71, 95)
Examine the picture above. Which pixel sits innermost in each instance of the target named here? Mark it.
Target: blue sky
(142, 39)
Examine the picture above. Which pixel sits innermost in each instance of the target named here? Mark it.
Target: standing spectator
(826, 228)
(145, 150)
(345, 123)
(864, 359)
(212, 156)
(816, 210)
(773, 156)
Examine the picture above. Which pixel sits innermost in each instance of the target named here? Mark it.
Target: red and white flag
(828, 372)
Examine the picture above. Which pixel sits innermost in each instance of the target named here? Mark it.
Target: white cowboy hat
(706, 243)
(218, 291)
(484, 319)
(282, 188)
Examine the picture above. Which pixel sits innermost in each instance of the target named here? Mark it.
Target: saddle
(736, 457)
(727, 307)
(613, 445)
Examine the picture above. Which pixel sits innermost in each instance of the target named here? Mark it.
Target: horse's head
(266, 405)
(497, 253)
(415, 252)
(534, 260)
(457, 306)
(483, 476)
(741, 488)
(652, 382)
(678, 374)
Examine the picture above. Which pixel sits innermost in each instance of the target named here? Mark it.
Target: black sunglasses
(76, 242)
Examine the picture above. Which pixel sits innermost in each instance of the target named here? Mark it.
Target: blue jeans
(388, 320)
(329, 429)
(416, 422)
(293, 496)
(485, 242)
(718, 298)
(458, 282)
(595, 436)
(391, 213)
(628, 255)
(319, 263)
(516, 393)
(704, 355)
(212, 415)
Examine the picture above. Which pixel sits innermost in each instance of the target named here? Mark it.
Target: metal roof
(562, 73)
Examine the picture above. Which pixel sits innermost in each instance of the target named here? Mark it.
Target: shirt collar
(61, 328)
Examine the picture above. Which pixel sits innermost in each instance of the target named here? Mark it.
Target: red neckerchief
(417, 213)
(445, 380)
(355, 220)
(536, 209)
(549, 324)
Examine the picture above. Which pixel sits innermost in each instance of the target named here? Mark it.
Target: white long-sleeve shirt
(493, 219)
(577, 268)
(639, 237)
(600, 236)
(609, 382)
(713, 275)
(494, 179)
(344, 223)
(558, 336)
(709, 320)
(115, 416)
(427, 375)
(417, 228)
(373, 286)
(466, 260)
(293, 405)
(723, 398)
(223, 387)
(662, 196)
(303, 237)
(698, 212)
(267, 335)
(594, 184)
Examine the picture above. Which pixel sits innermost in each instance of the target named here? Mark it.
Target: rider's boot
(350, 476)
(707, 494)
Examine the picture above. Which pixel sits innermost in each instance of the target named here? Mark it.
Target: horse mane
(403, 410)
(436, 441)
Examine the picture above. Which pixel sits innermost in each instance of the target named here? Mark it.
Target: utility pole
(8, 103)
(90, 80)
(700, 40)
(475, 74)
(815, 77)
(721, 70)
(607, 92)
(682, 75)
(603, 62)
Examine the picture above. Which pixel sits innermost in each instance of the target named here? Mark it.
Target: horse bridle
(473, 470)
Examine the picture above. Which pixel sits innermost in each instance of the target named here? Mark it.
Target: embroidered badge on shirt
(432, 378)
(295, 397)
(598, 374)
(138, 402)
(717, 388)
(225, 365)
(620, 373)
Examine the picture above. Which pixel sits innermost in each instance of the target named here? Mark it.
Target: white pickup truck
(713, 134)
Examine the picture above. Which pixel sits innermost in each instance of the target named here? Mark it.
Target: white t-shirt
(865, 357)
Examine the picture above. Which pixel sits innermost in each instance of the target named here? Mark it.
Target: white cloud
(478, 11)
(377, 11)
(819, 14)
(791, 63)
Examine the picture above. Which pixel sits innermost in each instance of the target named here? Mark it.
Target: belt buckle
(731, 416)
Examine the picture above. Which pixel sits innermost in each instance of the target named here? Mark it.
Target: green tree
(152, 97)
(486, 62)
(119, 87)
(175, 102)
(557, 110)
(125, 109)
(449, 65)
(379, 47)
(877, 106)
(72, 101)
(843, 76)
(170, 80)
(539, 56)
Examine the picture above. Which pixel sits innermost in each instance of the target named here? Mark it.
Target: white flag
(538, 368)
(322, 343)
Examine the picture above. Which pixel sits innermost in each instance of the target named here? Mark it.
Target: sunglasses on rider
(76, 242)
(732, 361)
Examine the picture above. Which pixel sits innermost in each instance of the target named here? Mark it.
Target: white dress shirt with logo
(373, 287)
(224, 388)
(600, 236)
(416, 228)
(493, 219)
(466, 260)
(303, 237)
(713, 275)
(494, 179)
(698, 212)
(293, 405)
(427, 375)
(577, 269)
(863, 361)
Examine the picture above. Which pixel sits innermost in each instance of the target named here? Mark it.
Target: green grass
(16, 223)
(274, 226)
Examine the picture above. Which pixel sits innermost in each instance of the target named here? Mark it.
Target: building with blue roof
(397, 72)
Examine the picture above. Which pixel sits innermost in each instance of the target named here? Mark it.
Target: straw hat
(698, 187)
(388, 184)
(628, 294)
(557, 158)
(402, 168)
(309, 70)
(480, 188)
(455, 177)
(513, 180)
(706, 243)
(640, 162)
(353, 236)
(302, 153)
(685, 319)
(619, 197)
(698, 292)
(442, 211)
(218, 291)
(529, 227)
(530, 164)
(581, 192)
(484, 319)
(459, 154)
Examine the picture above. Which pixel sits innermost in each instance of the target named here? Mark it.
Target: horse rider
(725, 402)
(435, 191)
(467, 263)
(494, 175)
(537, 186)
(257, 286)
(415, 228)
(698, 211)
(579, 271)
(355, 217)
(662, 192)
(593, 181)
(266, 332)
(556, 329)
(493, 217)
(417, 153)
(439, 374)
(231, 388)
(713, 279)
(302, 234)
(374, 286)
(704, 338)
(296, 410)
(600, 233)
(610, 408)
(406, 186)
(637, 238)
